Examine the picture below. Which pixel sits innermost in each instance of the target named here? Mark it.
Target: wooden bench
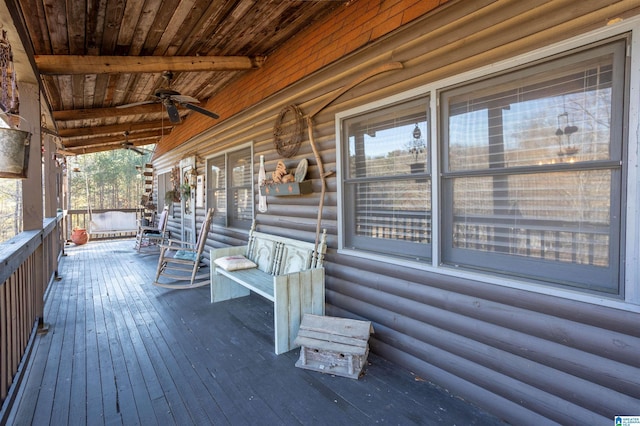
(288, 273)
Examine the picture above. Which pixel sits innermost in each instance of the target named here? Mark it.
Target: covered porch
(121, 351)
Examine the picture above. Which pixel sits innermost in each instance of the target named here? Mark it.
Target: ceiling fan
(170, 99)
(131, 147)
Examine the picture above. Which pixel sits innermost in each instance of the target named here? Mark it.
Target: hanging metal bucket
(14, 153)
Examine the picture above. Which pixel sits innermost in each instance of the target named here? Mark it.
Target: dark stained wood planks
(120, 350)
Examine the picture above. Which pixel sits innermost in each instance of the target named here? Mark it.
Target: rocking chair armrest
(149, 228)
(177, 244)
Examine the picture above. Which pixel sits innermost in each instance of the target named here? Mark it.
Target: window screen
(240, 193)
(216, 189)
(532, 172)
(229, 188)
(388, 180)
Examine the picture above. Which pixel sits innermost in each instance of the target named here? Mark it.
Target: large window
(388, 180)
(530, 175)
(229, 188)
(532, 171)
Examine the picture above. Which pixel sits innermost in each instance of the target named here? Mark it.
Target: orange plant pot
(79, 236)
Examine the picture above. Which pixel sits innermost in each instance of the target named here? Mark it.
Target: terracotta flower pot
(79, 236)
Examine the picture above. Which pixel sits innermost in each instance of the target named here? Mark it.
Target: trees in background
(106, 180)
(102, 180)
(10, 208)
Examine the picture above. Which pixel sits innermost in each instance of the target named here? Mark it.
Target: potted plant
(171, 196)
(185, 190)
(79, 236)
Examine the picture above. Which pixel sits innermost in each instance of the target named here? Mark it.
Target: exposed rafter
(114, 128)
(94, 113)
(134, 138)
(88, 149)
(84, 64)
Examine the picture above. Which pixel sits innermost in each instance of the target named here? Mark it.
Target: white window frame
(630, 287)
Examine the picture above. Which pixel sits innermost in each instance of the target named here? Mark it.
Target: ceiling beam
(99, 148)
(134, 138)
(115, 128)
(93, 113)
(84, 64)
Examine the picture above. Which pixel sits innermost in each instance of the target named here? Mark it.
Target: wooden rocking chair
(150, 235)
(180, 261)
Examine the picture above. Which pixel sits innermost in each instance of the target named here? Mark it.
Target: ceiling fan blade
(135, 104)
(131, 147)
(181, 99)
(172, 110)
(166, 93)
(200, 110)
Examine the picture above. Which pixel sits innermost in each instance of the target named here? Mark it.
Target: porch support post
(32, 186)
(32, 191)
(52, 177)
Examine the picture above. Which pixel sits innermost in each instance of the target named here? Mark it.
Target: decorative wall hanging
(287, 132)
(9, 90)
(262, 177)
(14, 143)
(200, 191)
(285, 182)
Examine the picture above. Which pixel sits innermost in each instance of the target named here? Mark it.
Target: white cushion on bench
(234, 263)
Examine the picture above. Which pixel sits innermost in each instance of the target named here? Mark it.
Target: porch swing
(109, 222)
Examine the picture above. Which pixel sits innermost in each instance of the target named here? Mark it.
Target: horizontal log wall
(527, 357)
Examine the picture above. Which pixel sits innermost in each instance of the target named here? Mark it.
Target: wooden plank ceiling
(96, 56)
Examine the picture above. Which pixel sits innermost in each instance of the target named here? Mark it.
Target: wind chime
(14, 143)
(567, 151)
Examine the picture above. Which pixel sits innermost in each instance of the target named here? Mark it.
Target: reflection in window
(388, 181)
(229, 188)
(216, 189)
(566, 119)
(241, 193)
(532, 170)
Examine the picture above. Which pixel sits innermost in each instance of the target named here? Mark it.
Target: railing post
(40, 284)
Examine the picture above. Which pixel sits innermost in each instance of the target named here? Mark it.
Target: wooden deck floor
(122, 351)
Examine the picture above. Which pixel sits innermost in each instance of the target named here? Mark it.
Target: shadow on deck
(122, 351)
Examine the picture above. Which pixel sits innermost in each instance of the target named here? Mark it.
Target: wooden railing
(405, 225)
(80, 219)
(29, 265)
(559, 240)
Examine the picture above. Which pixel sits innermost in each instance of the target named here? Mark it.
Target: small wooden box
(291, 188)
(333, 345)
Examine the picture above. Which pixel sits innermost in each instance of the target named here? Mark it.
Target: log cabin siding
(528, 357)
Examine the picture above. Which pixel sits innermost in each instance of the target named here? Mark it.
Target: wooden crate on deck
(333, 345)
